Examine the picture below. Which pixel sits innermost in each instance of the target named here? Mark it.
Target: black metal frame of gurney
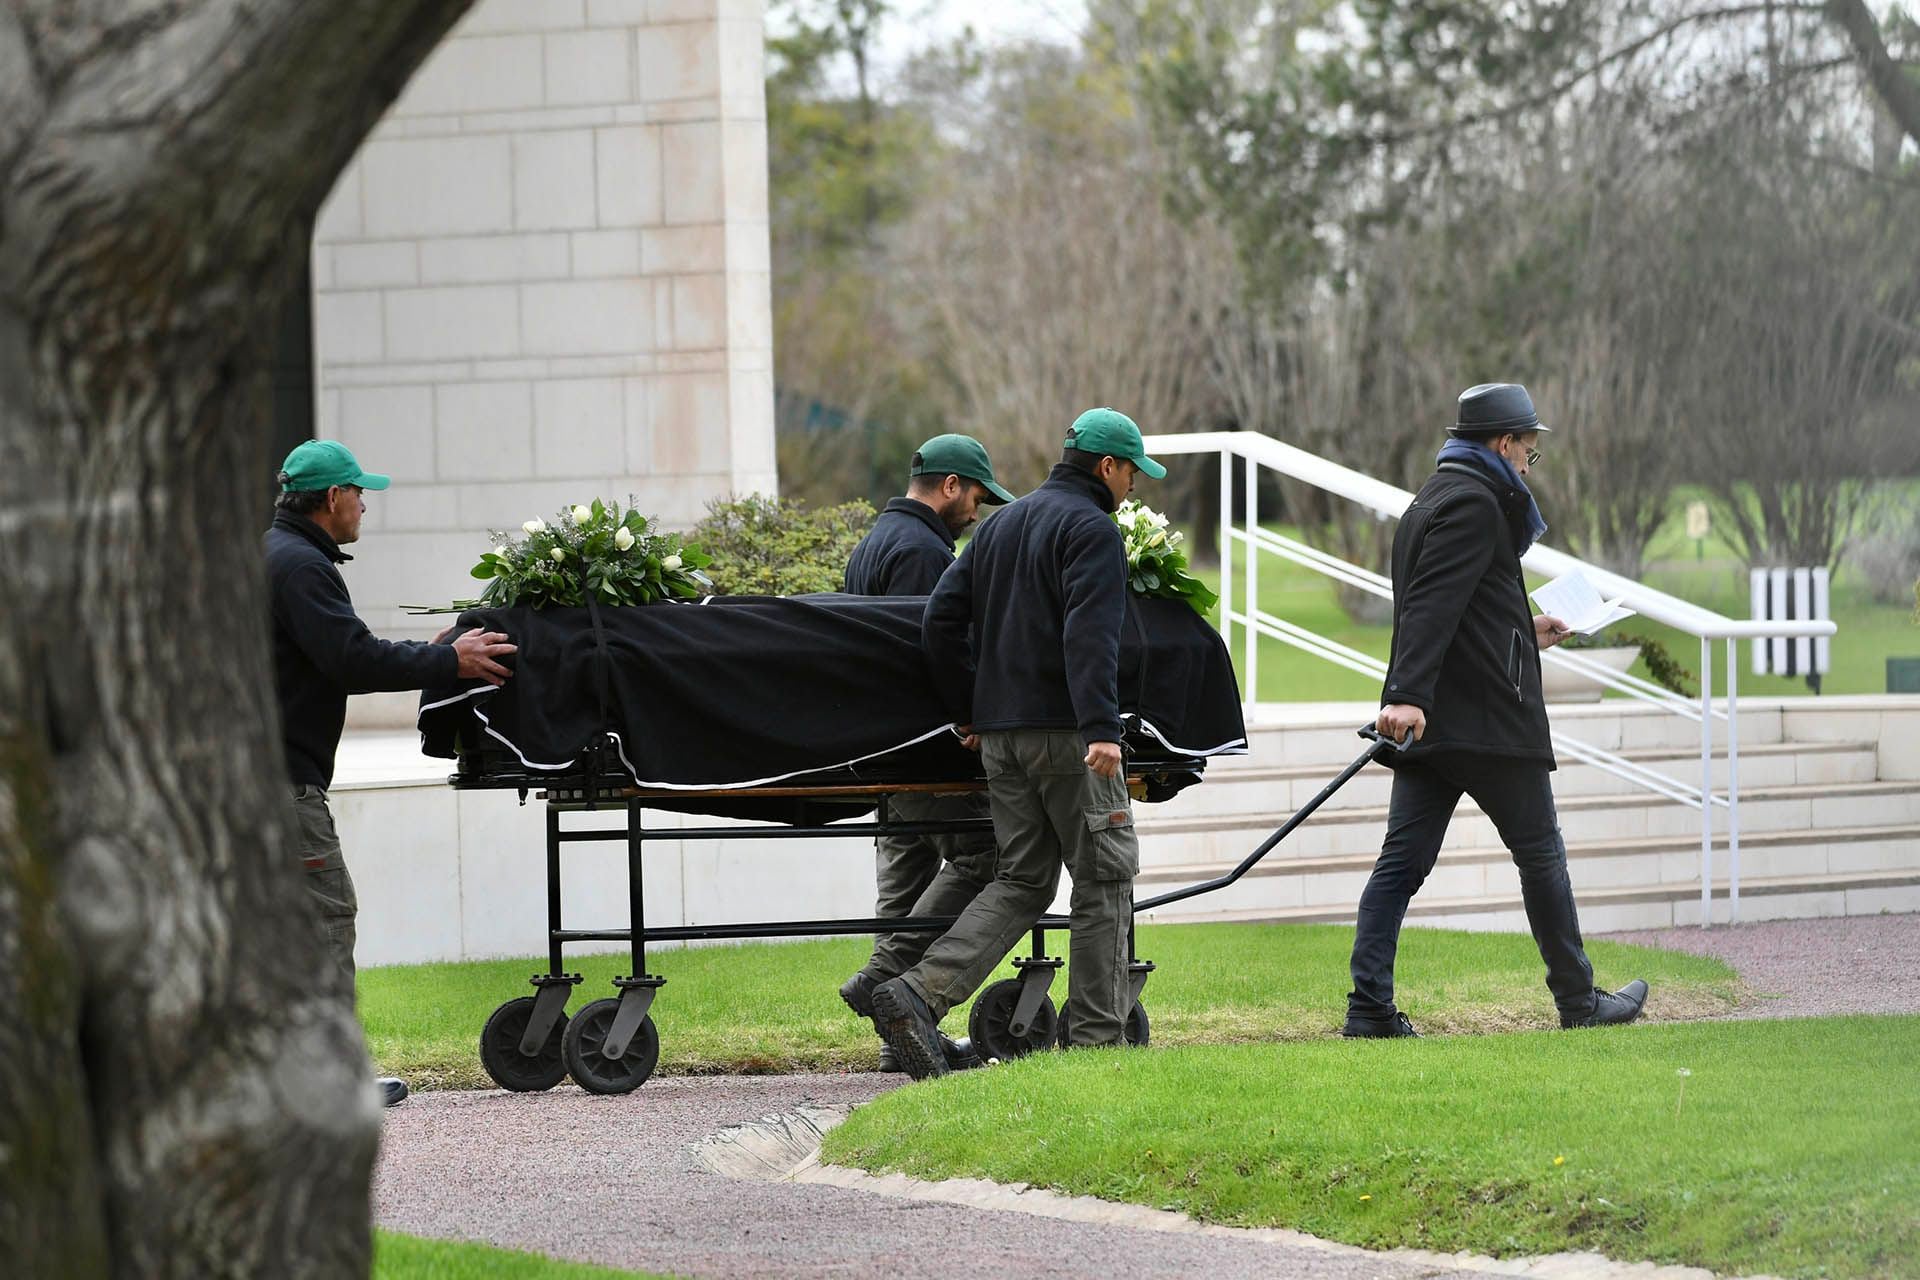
(615, 1037)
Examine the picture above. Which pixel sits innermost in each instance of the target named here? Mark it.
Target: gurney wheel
(1137, 1029)
(993, 1010)
(597, 1073)
(500, 1050)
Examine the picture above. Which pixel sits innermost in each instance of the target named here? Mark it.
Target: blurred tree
(1052, 273)
(1533, 180)
(180, 1094)
(844, 168)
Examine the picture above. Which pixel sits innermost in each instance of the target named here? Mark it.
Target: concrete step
(1631, 906)
(1812, 807)
(1470, 873)
(1259, 788)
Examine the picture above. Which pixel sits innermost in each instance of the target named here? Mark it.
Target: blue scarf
(1481, 458)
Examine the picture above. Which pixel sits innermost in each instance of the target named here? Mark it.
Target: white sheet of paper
(1576, 601)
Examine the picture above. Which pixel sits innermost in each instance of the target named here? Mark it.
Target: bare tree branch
(1567, 84)
(1897, 87)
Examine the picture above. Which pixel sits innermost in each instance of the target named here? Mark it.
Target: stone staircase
(1829, 821)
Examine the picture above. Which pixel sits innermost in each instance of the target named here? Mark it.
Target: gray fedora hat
(1495, 409)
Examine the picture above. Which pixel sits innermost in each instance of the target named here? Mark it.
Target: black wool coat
(1463, 643)
(322, 651)
(904, 553)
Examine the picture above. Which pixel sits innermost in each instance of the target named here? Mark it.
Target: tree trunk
(182, 1093)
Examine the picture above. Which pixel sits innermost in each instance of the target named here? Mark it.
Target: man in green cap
(1023, 637)
(909, 547)
(322, 652)
(911, 542)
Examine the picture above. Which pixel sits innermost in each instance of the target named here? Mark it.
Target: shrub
(1887, 556)
(779, 547)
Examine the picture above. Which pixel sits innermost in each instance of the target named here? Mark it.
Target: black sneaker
(393, 1091)
(1610, 1009)
(910, 1028)
(1394, 1026)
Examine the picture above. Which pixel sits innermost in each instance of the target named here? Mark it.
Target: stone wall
(545, 277)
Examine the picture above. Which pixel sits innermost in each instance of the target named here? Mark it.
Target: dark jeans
(1518, 796)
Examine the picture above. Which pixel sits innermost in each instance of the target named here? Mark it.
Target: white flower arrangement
(595, 551)
(1156, 565)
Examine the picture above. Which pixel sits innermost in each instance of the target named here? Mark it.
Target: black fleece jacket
(322, 651)
(904, 553)
(1043, 590)
(1463, 643)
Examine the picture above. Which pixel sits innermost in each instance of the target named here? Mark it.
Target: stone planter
(1560, 685)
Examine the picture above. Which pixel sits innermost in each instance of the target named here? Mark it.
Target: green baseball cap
(958, 455)
(1110, 433)
(322, 464)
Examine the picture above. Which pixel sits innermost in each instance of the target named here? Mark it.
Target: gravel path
(1805, 968)
(613, 1180)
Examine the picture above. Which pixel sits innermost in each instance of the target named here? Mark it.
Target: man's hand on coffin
(1103, 758)
(477, 650)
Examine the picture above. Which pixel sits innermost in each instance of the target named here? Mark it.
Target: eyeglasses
(1533, 457)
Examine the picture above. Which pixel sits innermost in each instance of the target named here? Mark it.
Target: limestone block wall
(545, 277)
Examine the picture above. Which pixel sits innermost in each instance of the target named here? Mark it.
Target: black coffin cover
(746, 691)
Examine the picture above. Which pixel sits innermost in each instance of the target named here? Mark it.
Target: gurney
(800, 718)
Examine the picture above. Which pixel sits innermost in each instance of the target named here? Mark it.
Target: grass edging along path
(1787, 1146)
(403, 1257)
(762, 1007)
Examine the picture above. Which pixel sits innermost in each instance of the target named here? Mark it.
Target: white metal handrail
(1354, 660)
(1388, 502)
(1367, 580)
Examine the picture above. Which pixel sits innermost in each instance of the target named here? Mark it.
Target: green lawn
(398, 1257)
(768, 1007)
(1869, 632)
(1790, 1147)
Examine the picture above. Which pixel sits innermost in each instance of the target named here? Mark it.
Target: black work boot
(959, 1053)
(1610, 1009)
(857, 991)
(910, 1028)
(393, 1091)
(1393, 1026)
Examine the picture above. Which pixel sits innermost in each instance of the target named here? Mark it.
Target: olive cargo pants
(926, 875)
(1049, 811)
(328, 885)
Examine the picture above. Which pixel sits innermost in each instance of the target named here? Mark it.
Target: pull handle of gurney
(1378, 745)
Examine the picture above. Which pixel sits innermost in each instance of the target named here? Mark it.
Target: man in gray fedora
(1463, 678)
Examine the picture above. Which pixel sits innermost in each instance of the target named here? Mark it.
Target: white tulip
(535, 525)
(623, 538)
(583, 516)
(670, 563)
(1159, 536)
(558, 555)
